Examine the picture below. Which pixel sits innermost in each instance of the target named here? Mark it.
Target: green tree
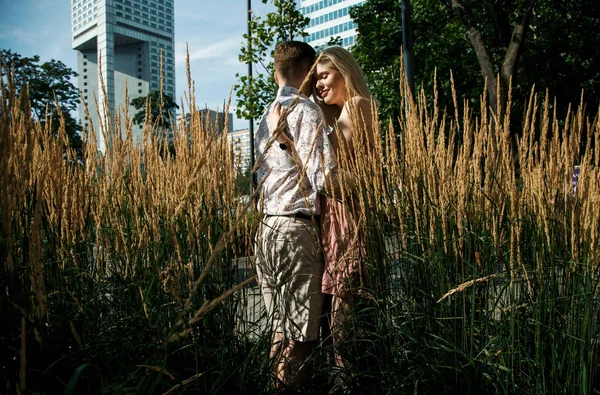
(47, 84)
(378, 57)
(497, 31)
(161, 109)
(554, 44)
(563, 54)
(433, 52)
(256, 92)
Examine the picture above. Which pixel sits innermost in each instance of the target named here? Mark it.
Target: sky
(212, 29)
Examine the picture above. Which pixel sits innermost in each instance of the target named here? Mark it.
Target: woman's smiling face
(330, 84)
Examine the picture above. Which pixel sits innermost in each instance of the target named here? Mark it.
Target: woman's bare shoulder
(358, 102)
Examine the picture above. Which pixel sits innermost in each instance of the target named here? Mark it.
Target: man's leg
(277, 344)
(294, 295)
(279, 367)
(290, 367)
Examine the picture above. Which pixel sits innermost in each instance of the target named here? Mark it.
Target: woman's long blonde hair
(348, 67)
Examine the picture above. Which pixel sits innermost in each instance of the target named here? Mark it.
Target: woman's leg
(339, 311)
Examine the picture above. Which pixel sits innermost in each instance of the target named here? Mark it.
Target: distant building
(330, 19)
(122, 41)
(240, 143)
(211, 120)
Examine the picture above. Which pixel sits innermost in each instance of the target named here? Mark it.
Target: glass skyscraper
(329, 19)
(120, 42)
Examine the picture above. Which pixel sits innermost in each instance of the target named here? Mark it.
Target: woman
(339, 88)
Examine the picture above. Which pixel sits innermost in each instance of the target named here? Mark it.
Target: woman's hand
(274, 116)
(282, 136)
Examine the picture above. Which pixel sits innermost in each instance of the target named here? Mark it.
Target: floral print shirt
(281, 193)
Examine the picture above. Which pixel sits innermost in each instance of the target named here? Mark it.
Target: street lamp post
(251, 125)
(407, 45)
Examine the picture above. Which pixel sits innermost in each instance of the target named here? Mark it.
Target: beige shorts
(289, 262)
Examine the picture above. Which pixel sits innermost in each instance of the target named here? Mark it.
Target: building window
(85, 63)
(140, 91)
(85, 84)
(139, 84)
(85, 91)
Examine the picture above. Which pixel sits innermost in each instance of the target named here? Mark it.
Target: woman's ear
(276, 76)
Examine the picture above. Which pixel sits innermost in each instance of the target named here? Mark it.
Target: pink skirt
(341, 249)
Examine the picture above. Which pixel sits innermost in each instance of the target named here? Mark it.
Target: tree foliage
(256, 92)
(433, 52)
(563, 53)
(554, 44)
(48, 85)
(379, 58)
(496, 31)
(161, 109)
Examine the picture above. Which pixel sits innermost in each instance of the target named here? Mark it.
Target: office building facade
(119, 45)
(239, 141)
(211, 121)
(330, 19)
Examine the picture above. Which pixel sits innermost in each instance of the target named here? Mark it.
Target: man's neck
(284, 84)
(294, 83)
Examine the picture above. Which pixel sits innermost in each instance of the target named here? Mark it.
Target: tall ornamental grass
(110, 263)
(119, 271)
(483, 251)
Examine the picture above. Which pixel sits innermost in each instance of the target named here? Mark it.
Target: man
(289, 259)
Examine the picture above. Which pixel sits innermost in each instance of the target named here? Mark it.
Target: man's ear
(276, 76)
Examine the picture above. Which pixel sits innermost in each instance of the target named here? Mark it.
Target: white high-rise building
(330, 19)
(122, 41)
(239, 140)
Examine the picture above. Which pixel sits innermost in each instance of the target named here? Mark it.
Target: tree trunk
(497, 98)
(476, 39)
(509, 64)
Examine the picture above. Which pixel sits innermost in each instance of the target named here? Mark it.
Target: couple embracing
(307, 255)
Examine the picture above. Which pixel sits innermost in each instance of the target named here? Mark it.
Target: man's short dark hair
(294, 58)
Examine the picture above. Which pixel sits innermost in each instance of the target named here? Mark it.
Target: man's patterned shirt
(281, 193)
